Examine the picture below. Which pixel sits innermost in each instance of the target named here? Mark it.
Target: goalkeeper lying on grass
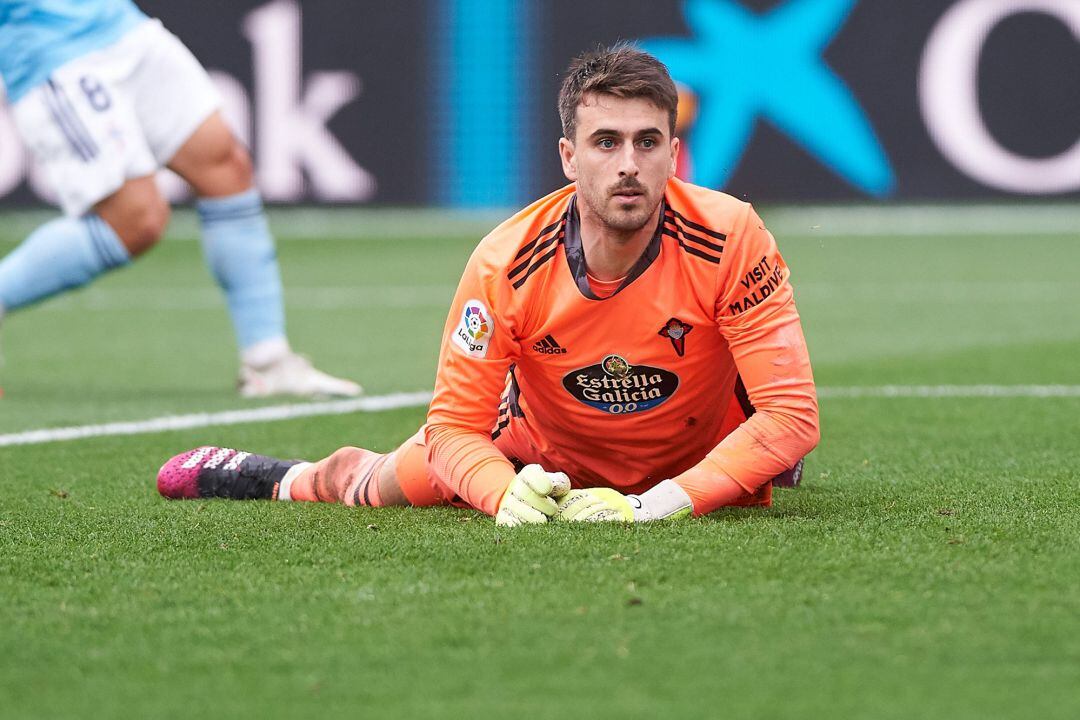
(630, 336)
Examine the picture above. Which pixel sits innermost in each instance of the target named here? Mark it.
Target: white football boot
(292, 374)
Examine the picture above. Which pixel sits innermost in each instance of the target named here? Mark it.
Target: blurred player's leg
(350, 476)
(236, 239)
(82, 133)
(240, 253)
(60, 255)
(137, 213)
(101, 126)
(176, 105)
(69, 252)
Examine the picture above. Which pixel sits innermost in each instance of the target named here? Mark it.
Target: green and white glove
(666, 501)
(530, 497)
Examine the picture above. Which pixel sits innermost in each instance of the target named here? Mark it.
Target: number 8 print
(95, 92)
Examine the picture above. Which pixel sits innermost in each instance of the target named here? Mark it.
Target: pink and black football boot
(213, 472)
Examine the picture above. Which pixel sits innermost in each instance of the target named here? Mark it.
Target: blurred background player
(104, 97)
(631, 331)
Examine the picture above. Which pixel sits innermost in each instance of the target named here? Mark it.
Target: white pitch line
(923, 220)
(418, 399)
(951, 391)
(269, 413)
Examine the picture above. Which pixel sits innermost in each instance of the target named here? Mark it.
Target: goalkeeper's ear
(569, 160)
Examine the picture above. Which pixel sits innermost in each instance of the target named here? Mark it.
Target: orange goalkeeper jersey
(633, 388)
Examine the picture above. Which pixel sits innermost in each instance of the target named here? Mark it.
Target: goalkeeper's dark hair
(622, 70)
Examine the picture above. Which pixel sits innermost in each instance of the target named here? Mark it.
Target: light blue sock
(60, 255)
(240, 253)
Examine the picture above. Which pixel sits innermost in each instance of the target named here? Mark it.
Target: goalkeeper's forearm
(761, 448)
(468, 463)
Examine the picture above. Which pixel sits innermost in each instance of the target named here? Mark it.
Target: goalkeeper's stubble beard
(617, 214)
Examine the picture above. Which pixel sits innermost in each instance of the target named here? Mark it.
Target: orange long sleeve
(756, 314)
(469, 463)
(477, 350)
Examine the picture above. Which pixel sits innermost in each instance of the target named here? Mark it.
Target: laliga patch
(616, 387)
(473, 333)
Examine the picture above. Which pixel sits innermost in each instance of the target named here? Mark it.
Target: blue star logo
(741, 66)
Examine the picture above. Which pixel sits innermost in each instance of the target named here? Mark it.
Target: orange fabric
(634, 388)
(411, 469)
(469, 465)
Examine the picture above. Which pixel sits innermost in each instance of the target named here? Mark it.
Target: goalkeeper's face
(621, 158)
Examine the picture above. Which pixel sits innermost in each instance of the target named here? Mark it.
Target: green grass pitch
(928, 568)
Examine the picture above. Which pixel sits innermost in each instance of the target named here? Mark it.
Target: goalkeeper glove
(667, 500)
(529, 497)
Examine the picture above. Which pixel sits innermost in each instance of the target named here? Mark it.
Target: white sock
(291, 474)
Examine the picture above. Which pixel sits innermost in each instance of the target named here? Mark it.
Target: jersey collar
(575, 253)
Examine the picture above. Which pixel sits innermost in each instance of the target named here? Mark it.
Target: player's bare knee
(214, 162)
(136, 216)
(146, 226)
(230, 172)
(239, 165)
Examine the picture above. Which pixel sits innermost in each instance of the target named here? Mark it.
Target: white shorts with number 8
(114, 114)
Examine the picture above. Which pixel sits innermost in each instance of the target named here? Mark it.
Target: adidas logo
(549, 346)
